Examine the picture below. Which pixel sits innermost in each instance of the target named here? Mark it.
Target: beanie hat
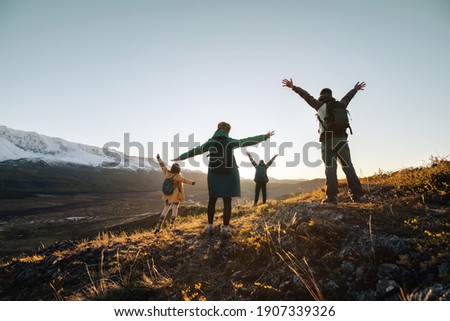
(326, 91)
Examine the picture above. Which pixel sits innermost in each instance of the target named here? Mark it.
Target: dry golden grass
(284, 250)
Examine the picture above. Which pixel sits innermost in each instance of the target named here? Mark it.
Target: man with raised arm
(333, 122)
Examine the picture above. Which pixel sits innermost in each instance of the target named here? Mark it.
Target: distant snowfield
(16, 144)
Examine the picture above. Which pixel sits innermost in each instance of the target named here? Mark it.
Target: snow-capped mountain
(17, 144)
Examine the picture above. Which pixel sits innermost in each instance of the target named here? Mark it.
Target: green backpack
(336, 118)
(261, 174)
(168, 186)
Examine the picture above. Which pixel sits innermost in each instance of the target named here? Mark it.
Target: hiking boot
(359, 198)
(225, 230)
(210, 229)
(330, 200)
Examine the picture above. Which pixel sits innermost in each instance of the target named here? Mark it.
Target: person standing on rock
(223, 173)
(175, 193)
(333, 122)
(261, 179)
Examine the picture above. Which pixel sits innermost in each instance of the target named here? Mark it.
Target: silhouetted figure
(261, 179)
(333, 119)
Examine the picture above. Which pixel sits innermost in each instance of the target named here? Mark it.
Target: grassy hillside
(392, 247)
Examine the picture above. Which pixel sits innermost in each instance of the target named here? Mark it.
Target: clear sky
(90, 71)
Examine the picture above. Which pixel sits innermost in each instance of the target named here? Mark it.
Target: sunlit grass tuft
(31, 259)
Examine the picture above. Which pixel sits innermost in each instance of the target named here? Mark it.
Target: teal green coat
(220, 185)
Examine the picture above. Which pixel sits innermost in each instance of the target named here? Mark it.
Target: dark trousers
(261, 186)
(335, 149)
(226, 210)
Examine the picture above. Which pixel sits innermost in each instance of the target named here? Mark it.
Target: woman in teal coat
(223, 172)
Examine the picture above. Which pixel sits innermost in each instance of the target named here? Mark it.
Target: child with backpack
(173, 191)
(261, 178)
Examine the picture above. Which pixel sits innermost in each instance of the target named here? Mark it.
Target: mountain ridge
(31, 163)
(28, 177)
(17, 144)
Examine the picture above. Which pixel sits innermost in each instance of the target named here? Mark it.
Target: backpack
(168, 186)
(261, 174)
(336, 118)
(220, 156)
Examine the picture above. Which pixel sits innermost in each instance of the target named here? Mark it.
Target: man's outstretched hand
(287, 83)
(360, 85)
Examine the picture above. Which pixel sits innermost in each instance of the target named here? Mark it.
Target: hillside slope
(394, 246)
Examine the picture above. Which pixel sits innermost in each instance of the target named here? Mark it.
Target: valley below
(41, 203)
(33, 223)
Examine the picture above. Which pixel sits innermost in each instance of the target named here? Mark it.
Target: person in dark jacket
(261, 179)
(334, 141)
(223, 173)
